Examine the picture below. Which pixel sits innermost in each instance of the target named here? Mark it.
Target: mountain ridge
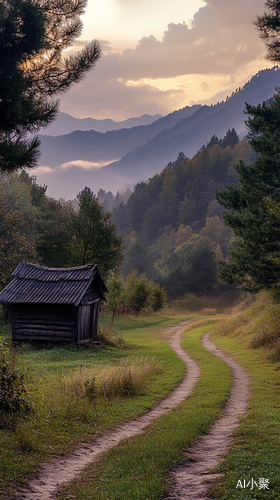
(65, 124)
(185, 135)
(104, 147)
(145, 150)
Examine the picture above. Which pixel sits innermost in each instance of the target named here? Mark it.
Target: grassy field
(64, 412)
(138, 468)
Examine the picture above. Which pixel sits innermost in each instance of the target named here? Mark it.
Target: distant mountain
(65, 124)
(144, 150)
(191, 133)
(97, 147)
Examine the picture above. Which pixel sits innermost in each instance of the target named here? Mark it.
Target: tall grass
(129, 377)
(257, 322)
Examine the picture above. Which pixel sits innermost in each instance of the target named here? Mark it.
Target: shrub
(116, 295)
(13, 395)
(157, 297)
(137, 292)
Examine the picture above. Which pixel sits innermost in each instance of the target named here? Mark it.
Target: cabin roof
(33, 283)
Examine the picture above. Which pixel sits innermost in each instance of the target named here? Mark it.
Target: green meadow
(65, 410)
(76, 393)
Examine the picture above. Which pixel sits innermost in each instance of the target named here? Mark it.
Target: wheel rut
(64, 469)
(191, 480)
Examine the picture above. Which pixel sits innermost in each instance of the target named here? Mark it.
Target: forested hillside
(173, 223)
(194, 131)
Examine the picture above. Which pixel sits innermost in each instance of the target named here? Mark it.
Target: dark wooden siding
(53, 322)
(87, 321)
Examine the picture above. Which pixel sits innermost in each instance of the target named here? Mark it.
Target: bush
(134, 295)
(157, 297)
(116, 295)
(137, 292)
(13, 395)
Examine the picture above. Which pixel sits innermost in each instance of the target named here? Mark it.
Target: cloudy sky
(161, 55)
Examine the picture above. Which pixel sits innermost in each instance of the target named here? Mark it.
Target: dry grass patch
(128, 378)
(107, 336)
(257, 322)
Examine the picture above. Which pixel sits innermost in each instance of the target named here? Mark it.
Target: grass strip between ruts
(138, 468)
(255, 456)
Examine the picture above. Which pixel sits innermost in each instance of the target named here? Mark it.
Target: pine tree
(254, 258)
(269, 28)
(33, 69)
(95, 238)
(231, 139)
(214, 140)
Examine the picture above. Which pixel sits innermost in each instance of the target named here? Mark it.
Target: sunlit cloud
(85, 165)
(43, 169)
(218, 50)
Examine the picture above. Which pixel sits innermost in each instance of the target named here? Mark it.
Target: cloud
(101, 97)
(221, 41)
(204, 87)
(85, 165)
(43, 169)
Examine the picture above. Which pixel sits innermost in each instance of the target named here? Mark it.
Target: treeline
(109, 201)
(173, 223)
(37, 228)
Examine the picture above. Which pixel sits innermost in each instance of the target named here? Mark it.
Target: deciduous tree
(116, 295)
(137, 292)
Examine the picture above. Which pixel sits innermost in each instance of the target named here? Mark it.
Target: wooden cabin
(56, 305)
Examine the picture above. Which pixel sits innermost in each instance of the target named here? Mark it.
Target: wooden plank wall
(87, 321)
(48, 322)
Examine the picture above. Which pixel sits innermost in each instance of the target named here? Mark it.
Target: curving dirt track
(207, 453)
(192, 479)
(65, 469)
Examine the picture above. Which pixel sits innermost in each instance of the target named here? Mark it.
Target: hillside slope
(99, 147)
(191, 133)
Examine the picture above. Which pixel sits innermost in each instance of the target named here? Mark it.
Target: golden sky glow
(159, 56)
(124, 22)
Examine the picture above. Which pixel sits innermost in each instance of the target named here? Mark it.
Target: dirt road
(189, 479)
(65, 469)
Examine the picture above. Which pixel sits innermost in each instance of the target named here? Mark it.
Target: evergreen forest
(173, 223)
